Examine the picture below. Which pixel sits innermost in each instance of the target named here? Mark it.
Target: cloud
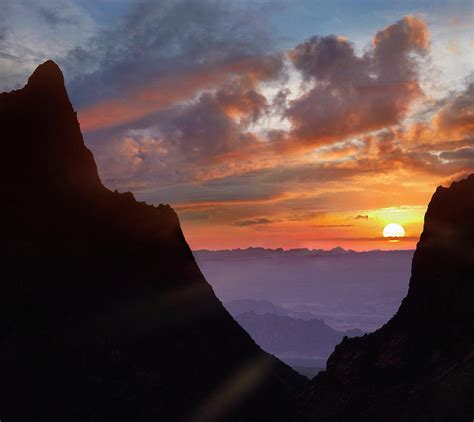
(361, 217)
(166, 39)
(254, 222)
(460, 154)
(331, 225)
(457, 117)
(448, 120)
(31, 33)
(54, 18)
(195, 122)
(178, 85)
(354, 94)
(194, 215)
(377, 239)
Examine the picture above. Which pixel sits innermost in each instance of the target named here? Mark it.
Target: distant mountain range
(260, 307)
(263, 252)
(291, 339)
(257, 252)
(297, 338)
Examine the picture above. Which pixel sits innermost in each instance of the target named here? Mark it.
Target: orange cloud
(456, 119)
(140, 102)
(454, 122)
(355, 94)
(410, 32)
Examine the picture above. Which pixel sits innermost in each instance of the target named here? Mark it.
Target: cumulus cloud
(458, 115)
(354, 94)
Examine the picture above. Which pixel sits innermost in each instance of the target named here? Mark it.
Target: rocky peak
(45, 145)
(46, 75)
(440, 286)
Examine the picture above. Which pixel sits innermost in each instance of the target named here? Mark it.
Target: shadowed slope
(104, 314)
(420, 365)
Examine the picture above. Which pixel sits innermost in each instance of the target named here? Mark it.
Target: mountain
(283, 335)
(260, 307)
(104, 314)
(420, 365)
(350, 290)
(253, 252)
(297, 338)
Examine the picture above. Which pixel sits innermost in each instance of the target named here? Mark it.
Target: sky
(264, 123)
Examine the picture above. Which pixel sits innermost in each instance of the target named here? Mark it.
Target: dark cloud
(361, 217)
(376, 239)
(254, 222)
(460, 154)
(353, 94)
(304, 216)
(183, 144)
(394, 48)
(194, 215)
(331, 225)
(157, 39)
(214, 127)
(239, 98)
(330, 59)
(54, 18)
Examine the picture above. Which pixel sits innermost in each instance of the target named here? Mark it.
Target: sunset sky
(264, 123)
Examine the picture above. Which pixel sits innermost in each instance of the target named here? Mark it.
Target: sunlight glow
(393, 231)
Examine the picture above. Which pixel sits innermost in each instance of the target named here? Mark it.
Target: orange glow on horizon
(325, 231)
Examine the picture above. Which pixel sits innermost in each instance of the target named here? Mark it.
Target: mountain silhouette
(104, 314)
(280, 334)
(261, 307)
(420, 365)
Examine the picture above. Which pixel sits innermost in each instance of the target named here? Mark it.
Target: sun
(393, 232)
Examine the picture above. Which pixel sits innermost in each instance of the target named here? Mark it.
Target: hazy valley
(346, 289)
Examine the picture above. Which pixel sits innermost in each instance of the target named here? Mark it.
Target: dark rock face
(420, 365)
(104, 314)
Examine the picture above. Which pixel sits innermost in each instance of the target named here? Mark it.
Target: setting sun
(393, 231)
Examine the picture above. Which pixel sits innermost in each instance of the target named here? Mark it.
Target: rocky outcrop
(104, 314)
(420, 365)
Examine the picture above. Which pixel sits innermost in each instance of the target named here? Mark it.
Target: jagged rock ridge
(104, 314)
(420, 365)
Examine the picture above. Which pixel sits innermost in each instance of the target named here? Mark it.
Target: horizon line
(281, 249)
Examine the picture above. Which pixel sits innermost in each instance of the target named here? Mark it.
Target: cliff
(420, 365)
(104, 314)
